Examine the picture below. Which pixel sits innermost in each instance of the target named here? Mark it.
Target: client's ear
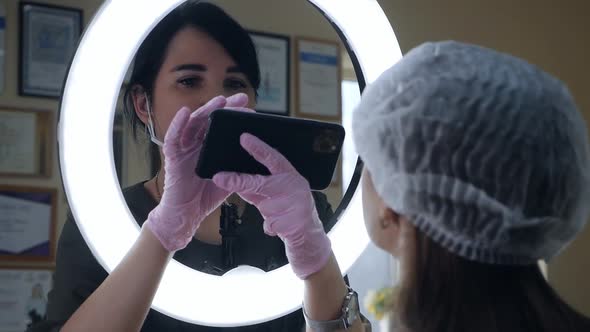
(399, 232)
(390, 222)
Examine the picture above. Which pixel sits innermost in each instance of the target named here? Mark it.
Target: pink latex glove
(187, 199)
(285, 201)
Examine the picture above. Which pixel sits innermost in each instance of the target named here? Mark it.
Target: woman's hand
(187, 198)
(285, 201)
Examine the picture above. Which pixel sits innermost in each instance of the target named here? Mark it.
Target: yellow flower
(381, 302)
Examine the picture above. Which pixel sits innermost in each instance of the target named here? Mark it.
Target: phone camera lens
(326, 142)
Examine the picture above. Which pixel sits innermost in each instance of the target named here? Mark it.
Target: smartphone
(312, 147)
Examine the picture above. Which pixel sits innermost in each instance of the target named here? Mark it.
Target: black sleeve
(77, 275)
(324, 209)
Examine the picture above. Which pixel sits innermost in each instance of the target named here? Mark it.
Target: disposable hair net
(483, 152)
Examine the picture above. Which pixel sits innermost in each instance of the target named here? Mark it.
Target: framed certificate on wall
(48, 39)
(27, 223)
(26, 143)
(319, 80)
(273, 55)
(23, 297)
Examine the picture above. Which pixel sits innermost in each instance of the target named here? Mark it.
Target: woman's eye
(235, 84)
(188, 82)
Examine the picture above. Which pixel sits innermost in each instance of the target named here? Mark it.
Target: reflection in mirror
(190, 57)
(300, 59)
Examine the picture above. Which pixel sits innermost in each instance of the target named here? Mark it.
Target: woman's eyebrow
(201, 67)
(190, 66)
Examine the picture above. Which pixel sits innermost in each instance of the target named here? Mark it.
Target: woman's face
(195, 69)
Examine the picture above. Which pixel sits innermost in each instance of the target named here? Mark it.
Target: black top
(78, 274)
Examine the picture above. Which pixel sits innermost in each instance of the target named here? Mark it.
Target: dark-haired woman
(197, 59)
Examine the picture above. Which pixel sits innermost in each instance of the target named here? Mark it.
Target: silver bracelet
(349, 314)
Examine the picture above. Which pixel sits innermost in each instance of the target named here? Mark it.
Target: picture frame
(28, 216)
(274, 53)
(23, 292)
(26, 142)
(49, 37)
(318, 75)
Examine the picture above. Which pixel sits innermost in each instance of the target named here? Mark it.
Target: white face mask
(150, 125)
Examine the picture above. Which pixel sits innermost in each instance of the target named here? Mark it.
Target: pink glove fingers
(285, 201)
(175, 130)
(265, 154)
(198, 121)
(237, 100)
(247, 185)
(195, 132)
(187, 199)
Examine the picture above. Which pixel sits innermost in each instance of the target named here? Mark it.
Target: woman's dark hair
(447, 293)
(204, 16)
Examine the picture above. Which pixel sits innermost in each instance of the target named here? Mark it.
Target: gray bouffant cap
(483, 152)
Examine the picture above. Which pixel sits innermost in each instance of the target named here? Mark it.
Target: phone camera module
(326, 142)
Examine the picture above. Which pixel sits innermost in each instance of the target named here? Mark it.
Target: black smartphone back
(312, 147)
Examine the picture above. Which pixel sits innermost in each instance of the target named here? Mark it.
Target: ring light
(245, 295)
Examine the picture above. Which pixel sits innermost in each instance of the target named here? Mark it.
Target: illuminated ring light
(244, 295)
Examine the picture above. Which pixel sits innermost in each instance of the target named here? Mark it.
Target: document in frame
(18, 133)
(23, 297)
(26, 220)
(319, 79)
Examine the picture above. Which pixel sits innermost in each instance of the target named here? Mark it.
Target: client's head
(477, 165)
